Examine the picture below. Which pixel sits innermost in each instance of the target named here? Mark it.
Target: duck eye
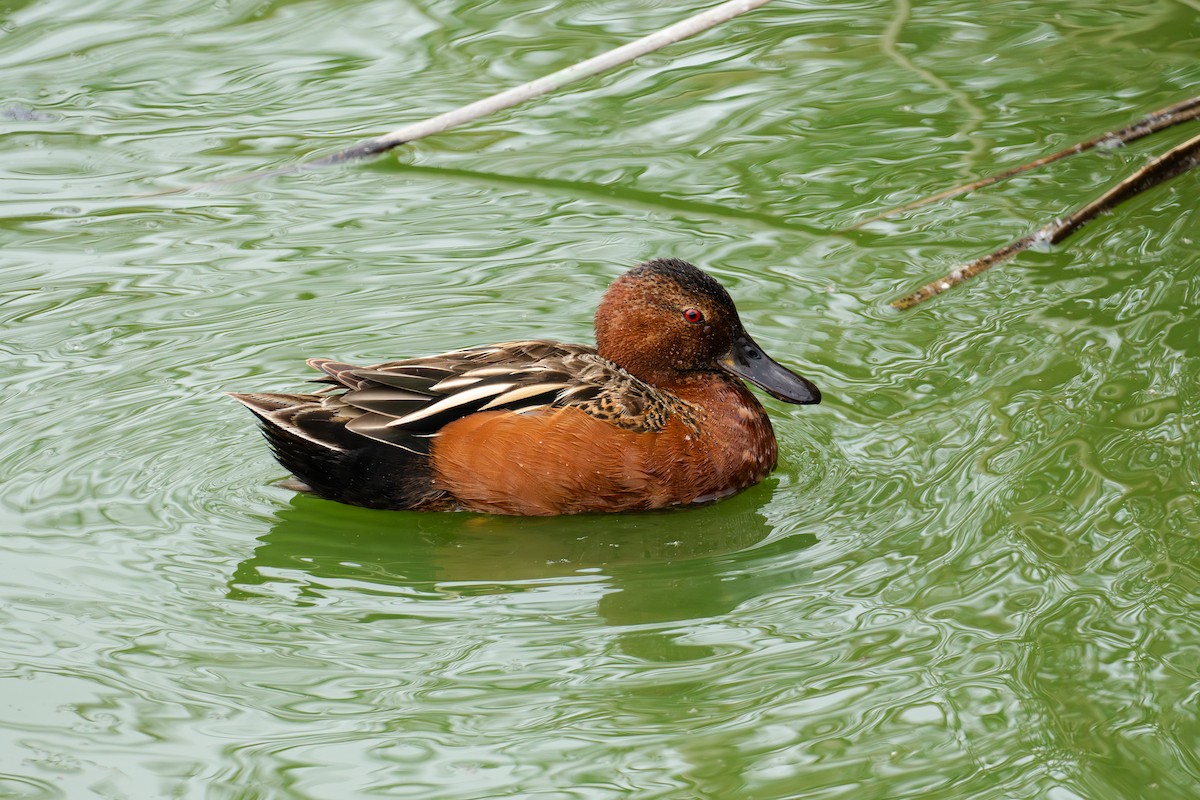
(693, 315)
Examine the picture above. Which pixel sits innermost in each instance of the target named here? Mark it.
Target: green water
(976, 573)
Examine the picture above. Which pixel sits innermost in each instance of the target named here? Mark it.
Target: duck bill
(747, 360)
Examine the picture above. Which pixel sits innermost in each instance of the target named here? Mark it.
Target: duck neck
(629, 333)
(707, 389)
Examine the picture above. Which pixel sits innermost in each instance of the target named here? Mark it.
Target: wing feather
(405, 403)
(509, 398)
(458, 404)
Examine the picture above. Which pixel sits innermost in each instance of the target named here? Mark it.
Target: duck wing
(405, 403)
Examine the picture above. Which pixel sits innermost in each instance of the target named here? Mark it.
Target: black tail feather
(312, 443)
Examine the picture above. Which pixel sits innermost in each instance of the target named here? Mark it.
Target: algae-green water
(975, 574)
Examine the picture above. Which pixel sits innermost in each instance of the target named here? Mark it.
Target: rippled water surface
(976, 573)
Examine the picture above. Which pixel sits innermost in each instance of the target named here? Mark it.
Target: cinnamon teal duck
(655, 415)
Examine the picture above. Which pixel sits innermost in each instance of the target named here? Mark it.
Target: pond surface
(976, 573)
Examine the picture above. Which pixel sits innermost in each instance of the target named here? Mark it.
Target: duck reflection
(655, 566)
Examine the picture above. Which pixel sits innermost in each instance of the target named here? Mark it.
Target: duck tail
(309, 439)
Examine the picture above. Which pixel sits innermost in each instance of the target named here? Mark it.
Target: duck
(656, 415)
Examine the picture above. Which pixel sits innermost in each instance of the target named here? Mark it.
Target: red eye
(693, 315)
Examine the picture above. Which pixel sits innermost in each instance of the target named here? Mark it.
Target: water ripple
(973, 575)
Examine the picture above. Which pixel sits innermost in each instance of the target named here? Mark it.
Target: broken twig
(1160, 170)
(518, 94)
(1155, 121)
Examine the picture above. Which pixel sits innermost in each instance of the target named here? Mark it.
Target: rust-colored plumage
(655, 416)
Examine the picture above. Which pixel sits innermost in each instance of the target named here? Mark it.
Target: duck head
(666, 320)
